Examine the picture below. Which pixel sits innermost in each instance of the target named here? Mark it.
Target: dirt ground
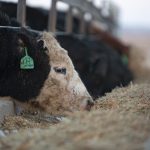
(119, 120)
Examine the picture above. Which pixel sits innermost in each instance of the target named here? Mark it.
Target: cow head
(53, 84)
(63, 89)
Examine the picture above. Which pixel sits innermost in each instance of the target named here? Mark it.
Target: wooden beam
(69, 20)
(21, 12)
(52, 17)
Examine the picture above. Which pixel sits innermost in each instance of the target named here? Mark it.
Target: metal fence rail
(83, 7)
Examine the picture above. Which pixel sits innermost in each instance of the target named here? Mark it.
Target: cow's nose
(89, 104)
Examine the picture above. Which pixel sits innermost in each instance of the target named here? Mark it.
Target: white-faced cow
(46, 79)
(63, 89)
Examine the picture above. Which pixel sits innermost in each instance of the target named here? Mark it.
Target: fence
(83, 7)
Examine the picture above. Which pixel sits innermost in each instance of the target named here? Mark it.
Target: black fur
(99, 65)
(6, 21)
(22, 85)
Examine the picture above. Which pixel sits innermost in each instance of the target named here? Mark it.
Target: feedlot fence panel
(83, 6)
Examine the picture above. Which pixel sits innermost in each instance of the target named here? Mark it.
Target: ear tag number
(26, 61)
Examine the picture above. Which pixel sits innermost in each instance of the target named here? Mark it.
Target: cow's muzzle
(87, 104)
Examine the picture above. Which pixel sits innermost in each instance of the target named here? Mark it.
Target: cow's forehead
(53, 46)
(50, 42)
(57, 54)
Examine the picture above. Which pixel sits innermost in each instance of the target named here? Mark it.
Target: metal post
(52, 17)
(21, 12)
(69, 20)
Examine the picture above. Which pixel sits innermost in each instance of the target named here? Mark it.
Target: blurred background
(133, 18)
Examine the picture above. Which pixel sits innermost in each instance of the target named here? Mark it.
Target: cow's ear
(41, 45)
(22, 42)
(23, 39)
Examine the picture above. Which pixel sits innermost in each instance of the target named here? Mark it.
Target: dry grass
(96, 130)
(134, 98)
(20, 122)
(120, 120)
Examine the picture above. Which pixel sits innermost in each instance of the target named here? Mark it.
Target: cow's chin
(55, 100)
(62, 104)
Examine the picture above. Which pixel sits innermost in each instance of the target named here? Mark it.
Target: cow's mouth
(89, 105)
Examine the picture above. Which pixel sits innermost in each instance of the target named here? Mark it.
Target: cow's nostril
(90, 103)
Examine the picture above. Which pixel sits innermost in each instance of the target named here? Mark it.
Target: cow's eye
(45, 49)
(60, 70)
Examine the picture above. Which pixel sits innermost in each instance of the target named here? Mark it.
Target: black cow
(99, 66)
(35, 69)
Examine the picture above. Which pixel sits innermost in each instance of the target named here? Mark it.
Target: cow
(100, 66)
(36, 70)
(113, 41)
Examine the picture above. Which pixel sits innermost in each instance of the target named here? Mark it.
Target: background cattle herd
(99, 58)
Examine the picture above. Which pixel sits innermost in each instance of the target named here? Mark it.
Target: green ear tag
(26, 61)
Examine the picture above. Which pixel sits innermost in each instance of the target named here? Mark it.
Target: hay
(134, 98)
(119, 120)
(19, 122)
